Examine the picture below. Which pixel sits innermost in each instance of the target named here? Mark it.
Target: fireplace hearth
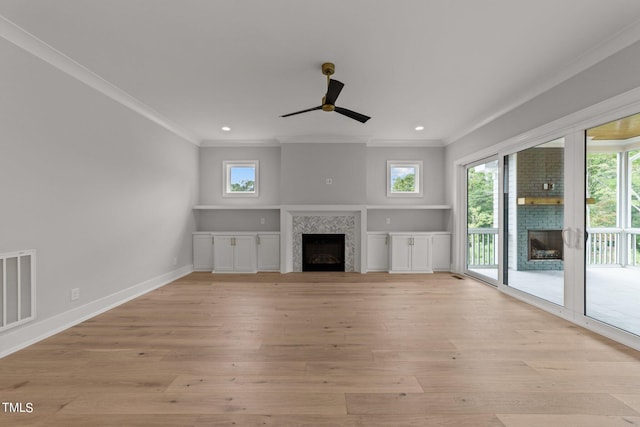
(323, 252)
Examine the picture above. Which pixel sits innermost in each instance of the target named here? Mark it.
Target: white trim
(249, 143)
(309, 139)
(227, 165)
(622, 39)
(38, 48)
(405, 143)
(20, 338)
(408, 207)
(240, 207)
(417, 166)
(319, 139)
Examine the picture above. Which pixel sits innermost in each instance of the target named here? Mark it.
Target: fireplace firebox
(323, 252)
(545, 245)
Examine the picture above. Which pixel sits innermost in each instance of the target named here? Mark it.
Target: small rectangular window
(240, 178)
(404, 178)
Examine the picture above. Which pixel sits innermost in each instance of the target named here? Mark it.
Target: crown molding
(622, 39)
(392, 143)
(319, 139)
(38, 48)
(405, 143)
(240, 143)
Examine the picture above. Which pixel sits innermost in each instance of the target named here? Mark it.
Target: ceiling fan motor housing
(328, 68)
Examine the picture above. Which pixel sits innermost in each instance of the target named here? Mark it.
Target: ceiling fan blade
(319, 107)
(352, 114)
(333, 91)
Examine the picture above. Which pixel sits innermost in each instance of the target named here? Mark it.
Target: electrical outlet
(388, 220)
(262, 221)
(328, 181)
(75, 294)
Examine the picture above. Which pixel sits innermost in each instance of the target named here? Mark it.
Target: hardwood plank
(632, 400)
(576, 420)
(219, 402)
(482, 420)
(487, 402)
(104, 420)
(297, 384)
(302, 348)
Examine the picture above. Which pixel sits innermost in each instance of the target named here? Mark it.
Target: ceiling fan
(329, 100)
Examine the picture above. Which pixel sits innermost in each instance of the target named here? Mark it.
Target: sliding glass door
(534, 188)
(482, 220)
(612, 217)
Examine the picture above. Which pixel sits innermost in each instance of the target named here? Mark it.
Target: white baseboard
(31, 333)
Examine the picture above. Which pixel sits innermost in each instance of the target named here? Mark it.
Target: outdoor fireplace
(323, 252)
(545, 245)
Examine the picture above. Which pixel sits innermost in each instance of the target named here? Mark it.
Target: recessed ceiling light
(419, 128)
(226, 128)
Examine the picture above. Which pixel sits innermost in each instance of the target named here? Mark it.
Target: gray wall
(305, 168)
(239, 220)
(104, 195)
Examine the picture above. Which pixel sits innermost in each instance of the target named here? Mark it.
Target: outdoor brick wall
(536, 167)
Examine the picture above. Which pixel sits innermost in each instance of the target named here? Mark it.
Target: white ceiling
(448, 65)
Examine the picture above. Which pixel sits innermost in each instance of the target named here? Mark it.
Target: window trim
(227, 165)
(417, 164)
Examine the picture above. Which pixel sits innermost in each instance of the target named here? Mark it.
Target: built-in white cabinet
(268, 251)
(234, 253)
(441, 253)
(202, 251)
(410, 253)
(377, 252)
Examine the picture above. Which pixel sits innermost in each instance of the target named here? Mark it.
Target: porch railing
(604, 247)
(482, 248)
(613, 246)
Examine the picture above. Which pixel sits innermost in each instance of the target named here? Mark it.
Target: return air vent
(17, 283)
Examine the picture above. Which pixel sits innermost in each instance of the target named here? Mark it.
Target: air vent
(17, 283)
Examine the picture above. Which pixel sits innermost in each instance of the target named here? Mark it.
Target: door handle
(566, 238)
(572, 238)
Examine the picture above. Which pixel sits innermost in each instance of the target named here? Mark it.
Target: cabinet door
(377, 252)
(441, 252)
(202, 252)
(421, 254)
(268, 252)
(400, 253)
(223, 254)
(244, 254)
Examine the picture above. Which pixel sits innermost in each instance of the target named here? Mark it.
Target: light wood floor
(326, 349)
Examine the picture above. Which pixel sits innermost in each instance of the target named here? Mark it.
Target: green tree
(243, 186)
(602, 183)
(406, 184)
(634, 160)
(480, 198)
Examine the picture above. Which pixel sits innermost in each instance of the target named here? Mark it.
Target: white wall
(102, 194)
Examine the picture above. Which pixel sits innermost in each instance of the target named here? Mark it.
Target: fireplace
(545, 245)
(323, 252)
